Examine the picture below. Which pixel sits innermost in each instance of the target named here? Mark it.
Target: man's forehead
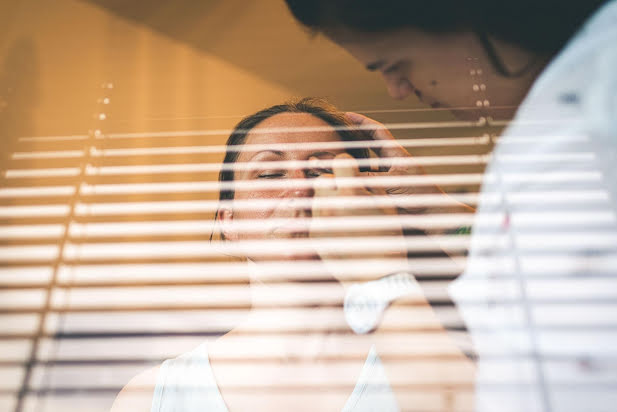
(347, 36)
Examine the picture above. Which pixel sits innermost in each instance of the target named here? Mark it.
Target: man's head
(541, 26)
(424, 47)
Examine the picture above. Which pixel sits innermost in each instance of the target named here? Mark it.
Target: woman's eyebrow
(264, 153)
(275, 152)
(322, 154)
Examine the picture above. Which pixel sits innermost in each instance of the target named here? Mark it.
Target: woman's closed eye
(280, 174)
(271, 174)
(316, 172)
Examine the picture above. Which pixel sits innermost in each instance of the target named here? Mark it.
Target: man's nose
(398, 87)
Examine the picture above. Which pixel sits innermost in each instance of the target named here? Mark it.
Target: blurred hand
(402, 164)
(373, 219)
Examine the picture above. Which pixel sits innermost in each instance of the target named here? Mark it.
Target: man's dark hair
(541, 26)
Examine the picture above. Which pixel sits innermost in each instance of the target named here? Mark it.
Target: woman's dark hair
(317, 107)
(541, 26)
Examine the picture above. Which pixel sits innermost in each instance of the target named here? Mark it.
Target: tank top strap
(187, 383)
(372, 391)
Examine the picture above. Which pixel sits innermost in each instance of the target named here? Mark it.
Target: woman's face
(280, 175)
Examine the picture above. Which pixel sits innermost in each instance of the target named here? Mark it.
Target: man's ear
(226, 217)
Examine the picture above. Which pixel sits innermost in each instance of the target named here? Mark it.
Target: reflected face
(434, 67)
(280, 176)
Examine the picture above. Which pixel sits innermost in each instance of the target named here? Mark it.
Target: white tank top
(187, 384)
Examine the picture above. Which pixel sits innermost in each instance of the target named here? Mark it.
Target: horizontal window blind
(108, 267)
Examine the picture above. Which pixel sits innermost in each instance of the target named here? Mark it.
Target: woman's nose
(301, 185)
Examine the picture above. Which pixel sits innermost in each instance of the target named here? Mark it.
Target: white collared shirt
(539, 294)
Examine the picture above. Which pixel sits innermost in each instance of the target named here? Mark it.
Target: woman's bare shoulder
(137, 394)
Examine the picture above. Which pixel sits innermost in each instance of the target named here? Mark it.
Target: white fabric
(187, 384)
(366, 302)
(539, 294)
